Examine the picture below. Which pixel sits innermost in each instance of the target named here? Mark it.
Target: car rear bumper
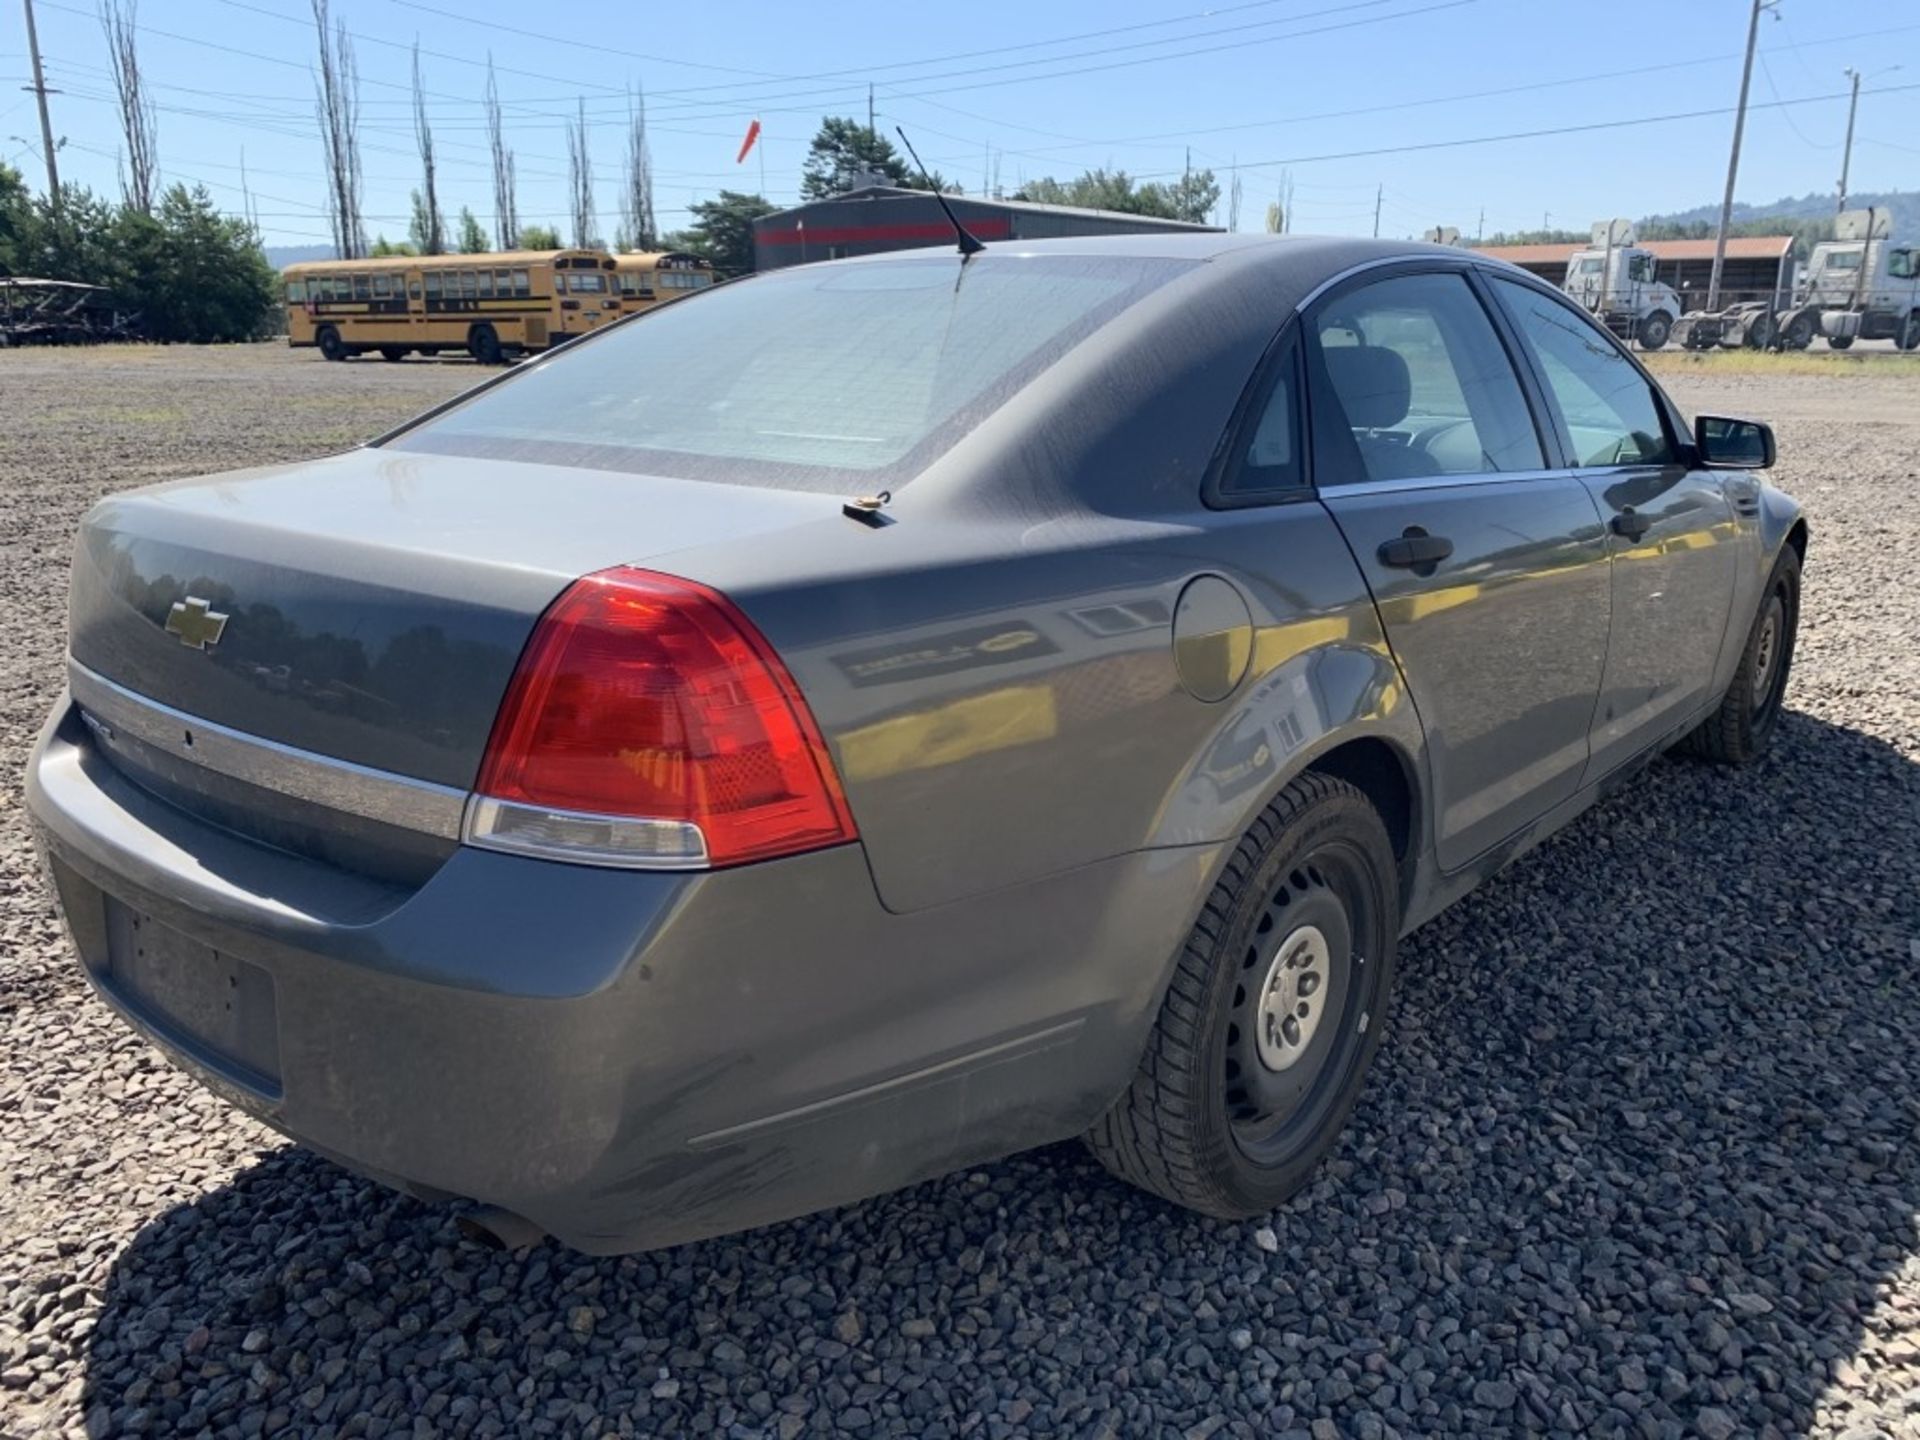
(626, 1059)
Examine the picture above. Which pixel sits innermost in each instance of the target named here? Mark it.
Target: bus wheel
(331, 346)
(484, 345)
(393, 352)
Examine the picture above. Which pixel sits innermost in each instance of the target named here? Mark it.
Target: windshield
(808, 378)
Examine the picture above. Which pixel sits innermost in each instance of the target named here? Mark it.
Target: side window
(522, 284)
(1900, 264)
(363, 287)
(1269, 457)
(296, 292)
(1419, 381)
(1608, 406)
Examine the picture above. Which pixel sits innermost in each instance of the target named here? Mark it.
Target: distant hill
(281, 256)
(1905, 206)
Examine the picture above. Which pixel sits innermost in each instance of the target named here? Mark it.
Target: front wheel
(1799, 332)
(1910, 332)
(332, 347)
(1740, 730)
(1655, 329)
(1274, 1012)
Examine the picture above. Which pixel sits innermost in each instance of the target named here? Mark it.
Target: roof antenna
(969, 247)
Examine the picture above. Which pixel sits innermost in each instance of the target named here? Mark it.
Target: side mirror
(1734, 444)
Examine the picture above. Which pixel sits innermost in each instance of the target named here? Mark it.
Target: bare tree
(434, 241)
(337, 99)
(637, 223)
(506, 220)
(137, 123)
(580, 179)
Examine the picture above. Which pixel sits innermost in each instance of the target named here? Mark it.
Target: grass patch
(1793, 362)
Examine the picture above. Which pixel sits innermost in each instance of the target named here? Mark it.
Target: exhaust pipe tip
(498, 1229)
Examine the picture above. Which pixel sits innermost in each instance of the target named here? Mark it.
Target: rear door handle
(1630, 524)
(1414, 549)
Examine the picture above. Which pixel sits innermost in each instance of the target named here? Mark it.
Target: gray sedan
(878, 716)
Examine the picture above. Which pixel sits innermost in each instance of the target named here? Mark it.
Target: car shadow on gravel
(1639, 1157)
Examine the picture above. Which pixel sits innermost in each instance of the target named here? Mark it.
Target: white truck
(1617, 282)
(1858, 286)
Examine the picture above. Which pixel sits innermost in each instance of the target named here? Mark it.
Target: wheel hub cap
(1763, 655)
(1293, 997)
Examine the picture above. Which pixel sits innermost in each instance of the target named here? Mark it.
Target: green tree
(1192, 197)
(842, 152)
(471, 237)
(539, 237)
(722, 230)
(16, 221)
(383, 247)
(420, 228)
(193, 274)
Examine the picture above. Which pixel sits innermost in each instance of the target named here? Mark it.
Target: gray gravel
(1639, 1156)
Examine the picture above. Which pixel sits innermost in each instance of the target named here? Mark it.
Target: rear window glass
(805, 378)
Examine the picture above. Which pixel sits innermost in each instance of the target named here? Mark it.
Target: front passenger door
(1672, 529)
(1488, 565)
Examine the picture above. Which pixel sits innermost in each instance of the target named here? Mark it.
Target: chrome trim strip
(341, 785)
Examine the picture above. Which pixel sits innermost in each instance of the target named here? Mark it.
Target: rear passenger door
(1488, 562)
(1671, 528)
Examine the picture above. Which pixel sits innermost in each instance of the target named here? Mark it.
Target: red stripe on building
(986, 227)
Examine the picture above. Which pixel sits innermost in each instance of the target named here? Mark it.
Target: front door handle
(1414, 549)
(1630, 524)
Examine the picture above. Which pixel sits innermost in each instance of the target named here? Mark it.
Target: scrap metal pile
(60, 312)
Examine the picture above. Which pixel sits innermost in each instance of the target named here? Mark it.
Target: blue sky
(1030, 89)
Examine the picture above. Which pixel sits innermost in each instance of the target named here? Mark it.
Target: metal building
(877, 218)
(1759, 267)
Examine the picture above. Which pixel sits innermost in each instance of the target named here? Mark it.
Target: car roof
(1336, 252)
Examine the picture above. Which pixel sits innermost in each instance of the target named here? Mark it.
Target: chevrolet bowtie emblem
(196, 622)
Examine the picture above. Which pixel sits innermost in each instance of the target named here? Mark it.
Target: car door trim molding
(342, 785)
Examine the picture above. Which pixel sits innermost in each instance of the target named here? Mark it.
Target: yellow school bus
(491, 306)
(653, 277)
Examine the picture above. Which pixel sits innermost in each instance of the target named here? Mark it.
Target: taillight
(649, 724)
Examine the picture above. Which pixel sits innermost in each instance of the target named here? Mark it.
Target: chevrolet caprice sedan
(881, 715)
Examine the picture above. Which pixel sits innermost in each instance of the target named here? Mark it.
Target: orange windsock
(753, 134)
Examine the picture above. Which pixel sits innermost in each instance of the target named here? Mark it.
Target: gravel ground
(1639, 1156)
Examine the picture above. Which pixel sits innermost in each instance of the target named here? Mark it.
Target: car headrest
(1372, 382)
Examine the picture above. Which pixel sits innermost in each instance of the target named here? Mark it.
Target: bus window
(522, 283)
(583, 284)
(296, 292)
(432, 277)
(382, 287)
(484, 279)
(503, 283)
(363, 287)
(413, 290)
(469, 284)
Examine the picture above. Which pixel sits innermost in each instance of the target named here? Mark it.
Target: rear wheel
(1273, 1013)
(1910, 332)
(393, 352)
(1741, 728)
(1799, 333)
(484, 345)
(1655, 329)
(330, 343)
(1762, 334)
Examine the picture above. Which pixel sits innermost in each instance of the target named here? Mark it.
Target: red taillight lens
(644, 697)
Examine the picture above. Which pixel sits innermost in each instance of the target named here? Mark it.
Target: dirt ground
(1641, 1155)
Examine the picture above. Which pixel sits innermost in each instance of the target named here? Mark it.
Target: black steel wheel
(330, 343)
(484, 345)
(1743, 725)
(1273, 1014)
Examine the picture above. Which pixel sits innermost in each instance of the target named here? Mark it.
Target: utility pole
(1480, 230)
(1846, 155)
(1379, 194)
(870, 129)
(40, 91)
(1733, 160)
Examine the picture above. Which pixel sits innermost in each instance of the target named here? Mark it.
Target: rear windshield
(810, 378)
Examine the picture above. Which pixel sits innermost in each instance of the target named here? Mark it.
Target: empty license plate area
(218, 1008)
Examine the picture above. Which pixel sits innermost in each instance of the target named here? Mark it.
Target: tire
(1839, 342)
(1762, 334)
(393, 352)
(1230, 1110)
(1910, 333)
(1799, 333)
(484, 345)
(1740, 730)
(330, 343)
(1654, 330)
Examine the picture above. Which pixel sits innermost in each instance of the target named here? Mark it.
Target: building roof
(1739, 247)
(900, 192)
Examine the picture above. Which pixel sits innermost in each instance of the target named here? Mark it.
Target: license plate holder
(218, 1008)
